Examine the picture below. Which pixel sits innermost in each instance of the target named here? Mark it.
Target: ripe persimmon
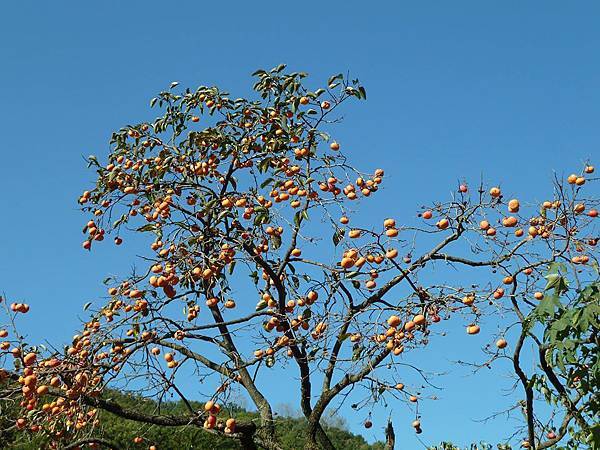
(393, 321)
(501, 343)
(513, 205)
(391, 232)
(389, 223)
(443, 224)
(354, 234)
(508, 280)
(468, 300)
(419, 319)
(473, 329)
(209, 405)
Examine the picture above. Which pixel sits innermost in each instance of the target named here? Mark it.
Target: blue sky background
(507, 90)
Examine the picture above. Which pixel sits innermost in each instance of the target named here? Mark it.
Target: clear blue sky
(510, 90)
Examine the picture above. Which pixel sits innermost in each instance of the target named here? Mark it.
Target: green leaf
(266, 182)
(261, 305)
(297, 218)
(338, 235)
(275, 241)
(545, 308)
(356, 353)
(324, 136)
(295, 280)
(552, 280)
(264, 165)
(93, 161)
(556, 267)
(147, 227)
(363, 93)
(120, 220)
(254, 277)
(306, 314)
(333, 78)
(279, 68)
(557, 282)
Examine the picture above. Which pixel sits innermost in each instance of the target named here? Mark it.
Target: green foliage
(451, 446)
(291, 431)
(479, 446)
(570, 348)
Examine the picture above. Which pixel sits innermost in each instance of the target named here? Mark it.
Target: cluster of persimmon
(61, 414)
(542, 225)
(398, 332)
(282, 323)
(169, 357)
(266, 300)
(204, 164)
(212, 410)
(94, 234)
(19, 307)
(365, 187)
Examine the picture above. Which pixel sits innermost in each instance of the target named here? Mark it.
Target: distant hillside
(290, 430)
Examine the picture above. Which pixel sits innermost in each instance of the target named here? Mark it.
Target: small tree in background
(257, 264)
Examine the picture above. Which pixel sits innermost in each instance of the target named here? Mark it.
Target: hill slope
(291, 430)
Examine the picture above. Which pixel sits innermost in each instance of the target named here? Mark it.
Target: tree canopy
(256, 262)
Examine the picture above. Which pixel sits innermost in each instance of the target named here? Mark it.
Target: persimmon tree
(258, 261)
(568, 369)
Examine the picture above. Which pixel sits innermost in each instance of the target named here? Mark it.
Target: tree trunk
(390, 437)
(316, 437)
(247, 443)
